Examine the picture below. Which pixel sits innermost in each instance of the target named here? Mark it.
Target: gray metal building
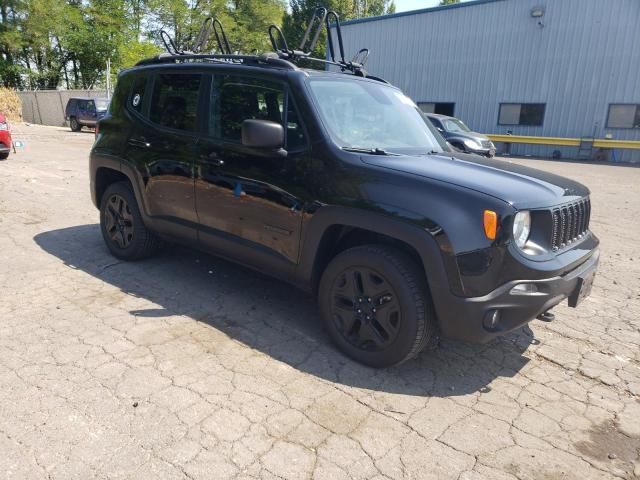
(547, 68)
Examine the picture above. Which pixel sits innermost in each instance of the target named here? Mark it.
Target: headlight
(471, 143)
(4, 126)
(521, 228)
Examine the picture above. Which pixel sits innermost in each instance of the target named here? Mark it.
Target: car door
(82, 112)
(91, 113)
(246, 200)
(161, 147)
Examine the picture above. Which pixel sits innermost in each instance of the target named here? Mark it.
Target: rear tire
(376, 306)
(122, 227)
(75, 126)
(4, 156)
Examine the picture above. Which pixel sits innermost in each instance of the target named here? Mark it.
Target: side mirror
(262, 134)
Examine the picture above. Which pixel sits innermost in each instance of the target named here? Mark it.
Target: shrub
(10, 105)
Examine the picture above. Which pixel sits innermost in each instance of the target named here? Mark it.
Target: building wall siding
(584, 56)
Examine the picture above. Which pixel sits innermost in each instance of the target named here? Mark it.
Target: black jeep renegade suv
(334, 182)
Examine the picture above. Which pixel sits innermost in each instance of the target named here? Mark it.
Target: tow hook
(546, 316)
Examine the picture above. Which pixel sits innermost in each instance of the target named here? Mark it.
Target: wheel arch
(104, 177)
(333, 230)
(340, 237)
(107, 168)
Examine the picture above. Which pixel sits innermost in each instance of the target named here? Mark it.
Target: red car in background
(5, 138)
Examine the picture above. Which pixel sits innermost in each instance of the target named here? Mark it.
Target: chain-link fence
(46, 107)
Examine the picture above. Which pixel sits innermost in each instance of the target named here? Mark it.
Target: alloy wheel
(365, 309)
(119, 221)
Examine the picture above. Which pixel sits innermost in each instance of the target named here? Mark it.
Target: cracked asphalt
(187, 366)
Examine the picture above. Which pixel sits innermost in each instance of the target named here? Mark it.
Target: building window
(530, 114)
(441, 108)
(623, 116)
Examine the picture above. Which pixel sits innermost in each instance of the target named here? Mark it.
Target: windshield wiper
(370, 151)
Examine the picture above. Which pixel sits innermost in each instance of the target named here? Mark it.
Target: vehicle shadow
(275, 318)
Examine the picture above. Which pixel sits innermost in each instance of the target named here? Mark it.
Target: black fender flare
(101, 160)
(431, 244)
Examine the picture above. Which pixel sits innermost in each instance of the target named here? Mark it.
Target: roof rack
(321, 18)
(209, 24)
(282, 57)
(266, 59)
(221, 37)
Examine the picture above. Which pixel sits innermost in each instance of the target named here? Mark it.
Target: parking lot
(187, 366)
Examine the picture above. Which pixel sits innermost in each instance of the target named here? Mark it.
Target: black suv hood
(517, 185)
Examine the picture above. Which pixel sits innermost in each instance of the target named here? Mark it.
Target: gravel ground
(187, 366)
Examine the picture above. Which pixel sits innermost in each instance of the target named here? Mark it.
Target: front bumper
(464, 319)
(486, 152)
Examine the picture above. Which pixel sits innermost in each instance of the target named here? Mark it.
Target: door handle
(212, 159)
(142, 143)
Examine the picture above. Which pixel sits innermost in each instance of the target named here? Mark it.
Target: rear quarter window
(138, 92)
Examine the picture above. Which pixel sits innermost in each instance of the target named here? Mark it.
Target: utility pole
(108, 77)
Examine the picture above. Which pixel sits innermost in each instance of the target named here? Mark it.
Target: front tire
(376, 305)
(122, 227)
(74, 124)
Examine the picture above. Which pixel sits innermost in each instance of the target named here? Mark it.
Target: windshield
(372, 116)
(455, 125)
(101, 104)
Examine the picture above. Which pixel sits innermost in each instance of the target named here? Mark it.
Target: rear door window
(174, 103)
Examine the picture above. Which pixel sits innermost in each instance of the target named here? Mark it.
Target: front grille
(486, 144)
(570, 223)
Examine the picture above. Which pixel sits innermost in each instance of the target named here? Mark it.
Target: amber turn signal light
(490, 224)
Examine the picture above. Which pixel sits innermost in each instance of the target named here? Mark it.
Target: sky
(404, 5)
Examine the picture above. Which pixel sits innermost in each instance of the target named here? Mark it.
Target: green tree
(11, 42)
(448, 2)
(53, 43)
